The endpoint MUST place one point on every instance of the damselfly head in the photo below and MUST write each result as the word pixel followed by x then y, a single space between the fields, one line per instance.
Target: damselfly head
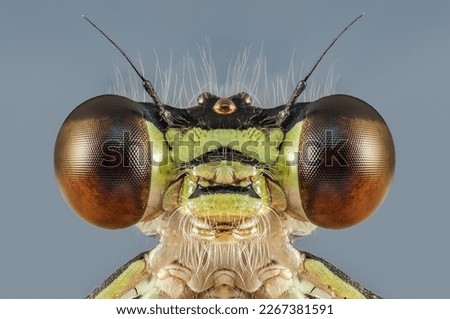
pixel 225 163
pixel 226 185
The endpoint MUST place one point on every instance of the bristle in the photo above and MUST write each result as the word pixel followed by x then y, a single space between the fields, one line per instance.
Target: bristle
pixel 245 73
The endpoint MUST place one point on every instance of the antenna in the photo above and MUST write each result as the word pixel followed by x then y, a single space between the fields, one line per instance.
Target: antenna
pixel 301 85
pixel 148 86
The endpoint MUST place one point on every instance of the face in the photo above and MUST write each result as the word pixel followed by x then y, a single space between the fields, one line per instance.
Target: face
pixel 224 165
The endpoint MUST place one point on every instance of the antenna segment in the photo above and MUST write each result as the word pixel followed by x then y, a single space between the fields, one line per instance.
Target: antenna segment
pixel 301 85
pixel 148 86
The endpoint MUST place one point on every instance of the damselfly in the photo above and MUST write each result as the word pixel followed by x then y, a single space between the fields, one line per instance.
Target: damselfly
pixel 226 185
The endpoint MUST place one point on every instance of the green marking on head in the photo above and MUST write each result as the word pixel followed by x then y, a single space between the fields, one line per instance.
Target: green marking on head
pixel 261 145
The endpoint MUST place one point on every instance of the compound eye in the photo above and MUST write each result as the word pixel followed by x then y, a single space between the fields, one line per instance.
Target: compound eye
pixel 102 161
pixel 346 161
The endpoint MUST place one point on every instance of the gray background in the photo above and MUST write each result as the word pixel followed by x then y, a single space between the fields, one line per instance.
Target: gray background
pixel 396 58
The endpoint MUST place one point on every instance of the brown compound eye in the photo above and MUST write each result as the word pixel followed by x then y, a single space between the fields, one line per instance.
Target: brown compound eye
pixel 346 161
pixel 102 161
